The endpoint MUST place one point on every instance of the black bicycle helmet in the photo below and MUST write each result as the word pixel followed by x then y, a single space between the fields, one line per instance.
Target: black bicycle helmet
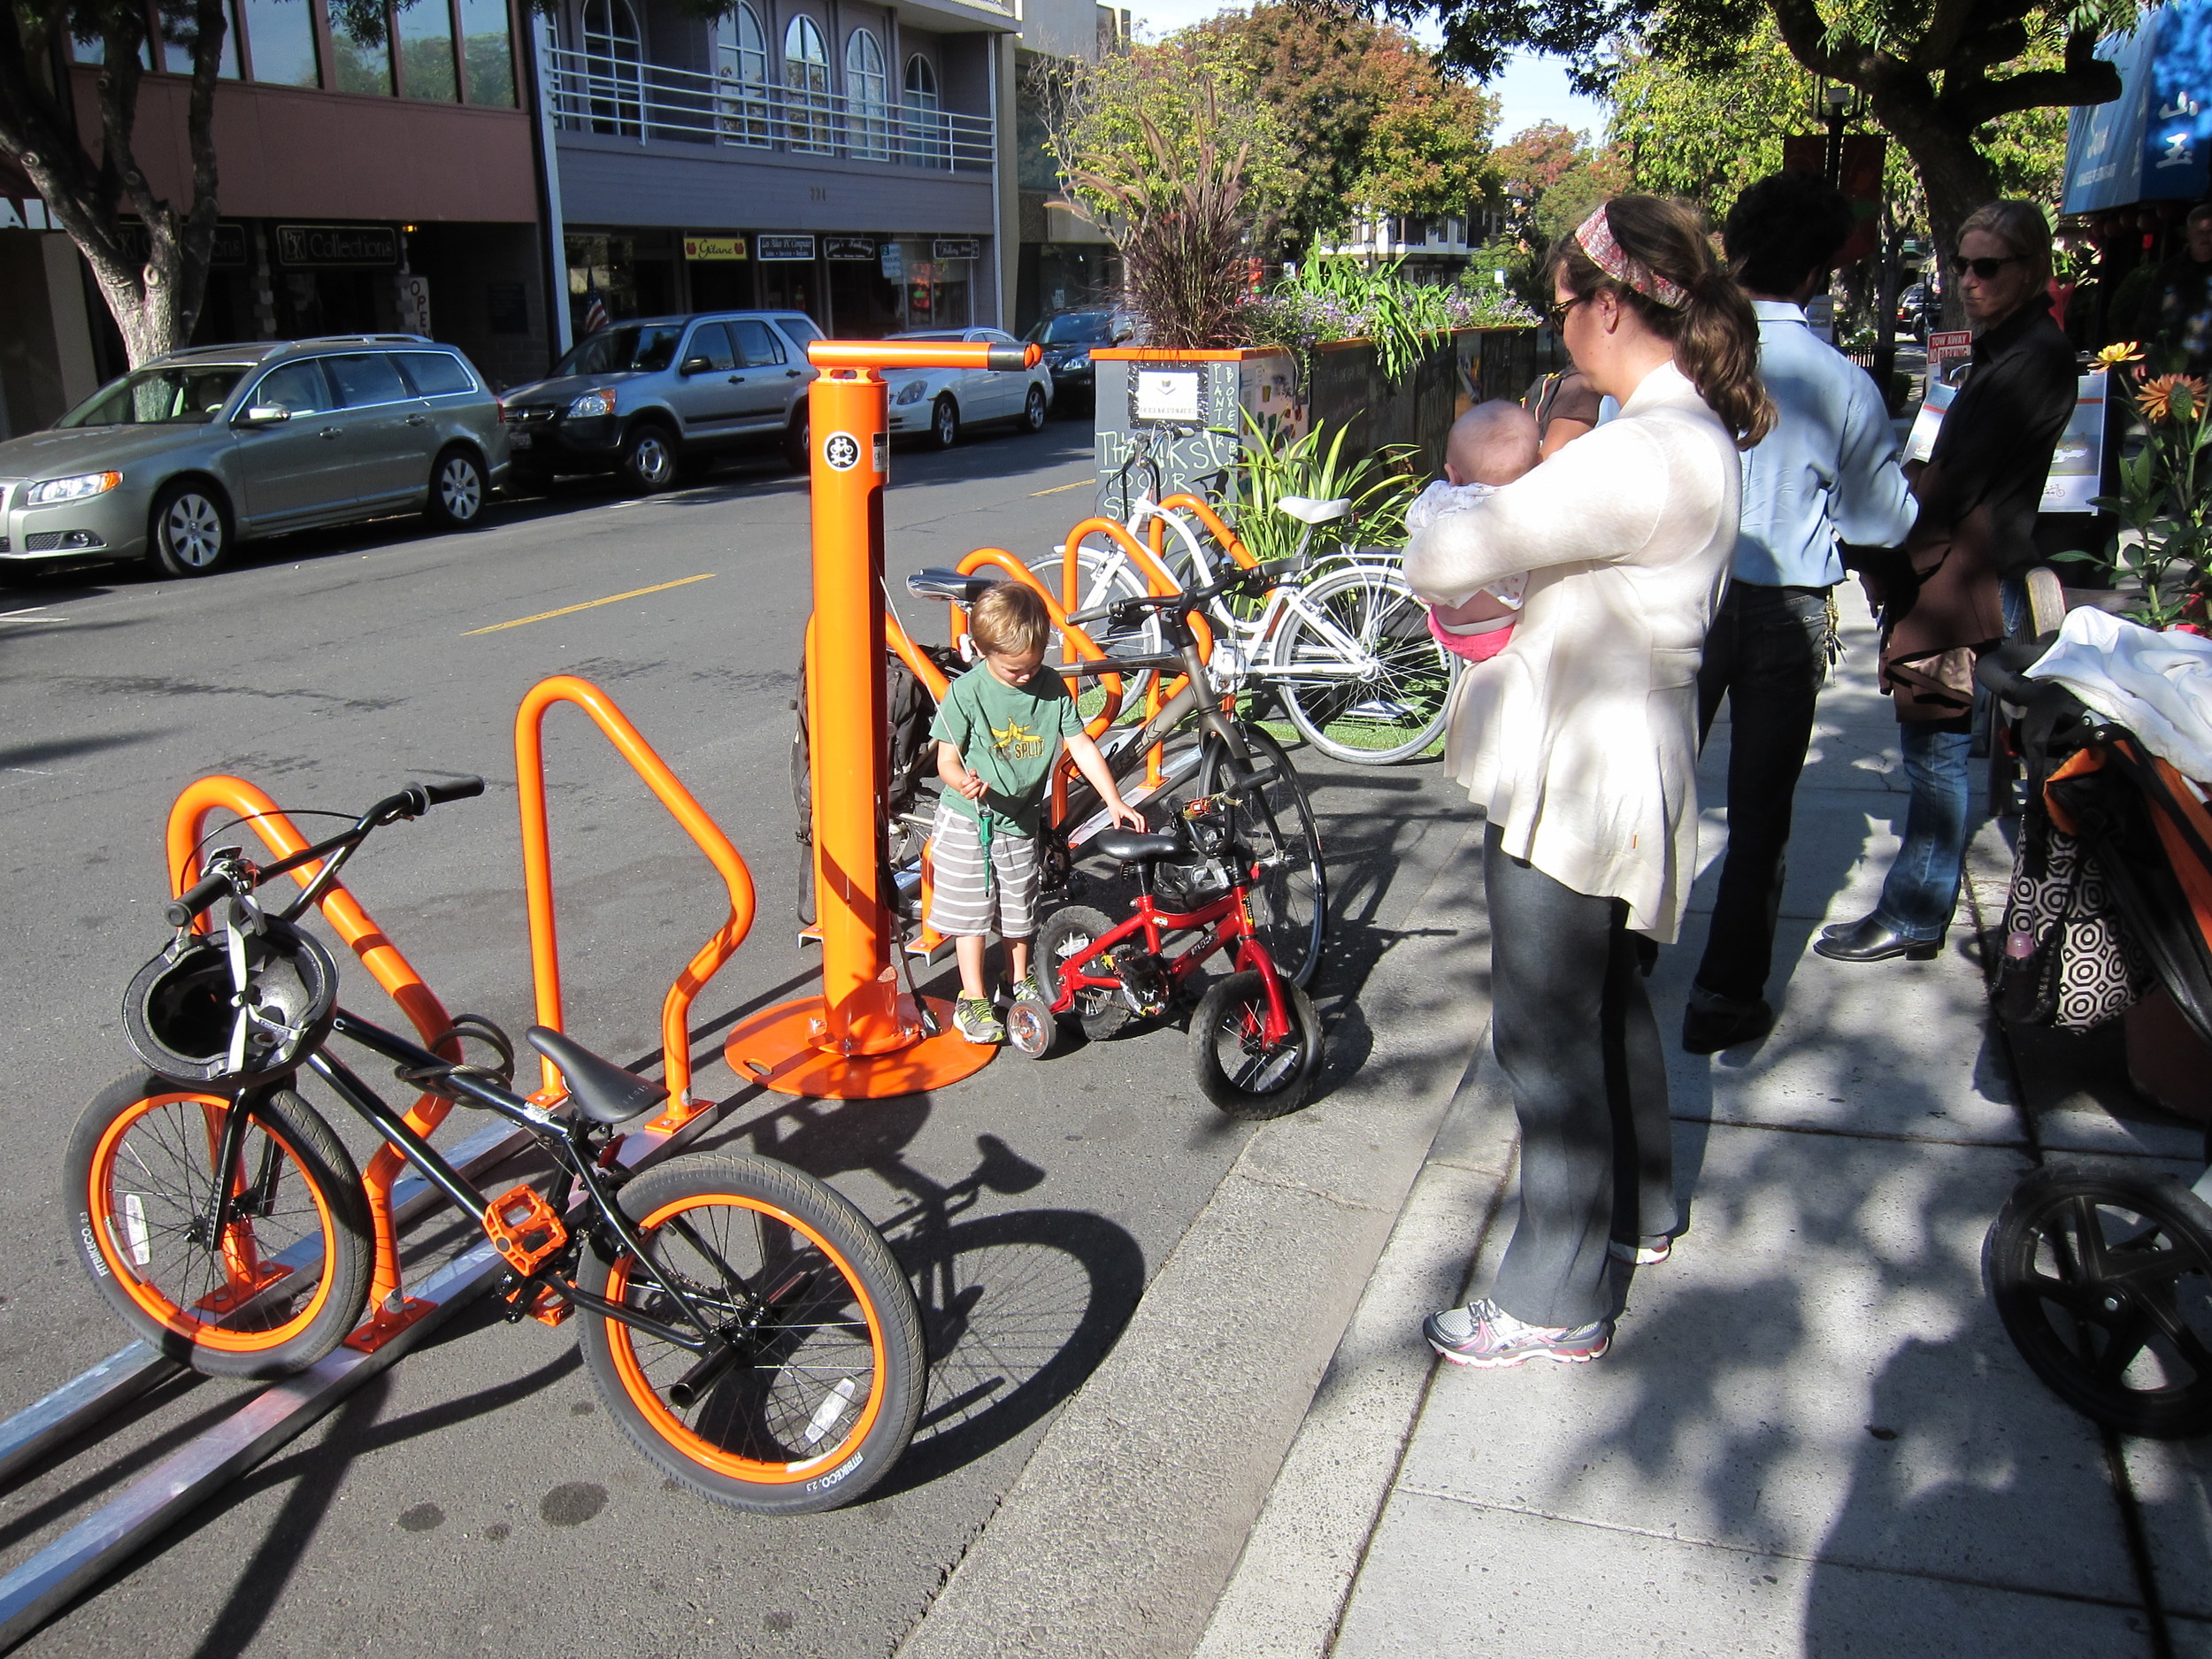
pixel 181 1013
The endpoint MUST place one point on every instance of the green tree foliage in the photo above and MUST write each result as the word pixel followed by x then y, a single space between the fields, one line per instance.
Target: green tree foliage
pixel 1554 177
pixel 1375 125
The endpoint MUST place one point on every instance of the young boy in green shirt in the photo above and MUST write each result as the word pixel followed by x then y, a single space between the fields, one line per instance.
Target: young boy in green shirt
pixel 999 732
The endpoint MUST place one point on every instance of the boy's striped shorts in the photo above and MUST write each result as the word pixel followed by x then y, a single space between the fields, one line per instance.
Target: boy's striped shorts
pixel 959 903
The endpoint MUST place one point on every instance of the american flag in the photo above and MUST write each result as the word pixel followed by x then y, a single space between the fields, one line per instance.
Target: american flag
pixel 594 313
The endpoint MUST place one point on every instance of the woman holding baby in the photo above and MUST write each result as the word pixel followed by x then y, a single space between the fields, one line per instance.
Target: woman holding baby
pixel 1578 740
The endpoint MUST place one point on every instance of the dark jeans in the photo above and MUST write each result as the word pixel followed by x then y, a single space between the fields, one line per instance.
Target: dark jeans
pixel 1574 1035
pixel 1766 654
pixel 1921 888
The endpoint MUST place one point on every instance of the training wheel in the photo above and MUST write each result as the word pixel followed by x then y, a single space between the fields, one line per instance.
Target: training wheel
pixel 781 1048
pixel 1031 1027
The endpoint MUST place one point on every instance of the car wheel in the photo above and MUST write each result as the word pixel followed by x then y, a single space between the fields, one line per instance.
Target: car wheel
pixel 1034 410
pixel 458 491
pixel 649 458
pixel 189 531
pixel 944 423
pixel 795 439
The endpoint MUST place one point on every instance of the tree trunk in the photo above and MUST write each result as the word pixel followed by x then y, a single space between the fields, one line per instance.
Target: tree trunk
pixel 1954 172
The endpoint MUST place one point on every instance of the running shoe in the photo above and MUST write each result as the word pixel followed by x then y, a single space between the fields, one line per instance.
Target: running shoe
pixel 1483 1333
pixel 1027 989
pixel 1647 1251
pixel 974 1019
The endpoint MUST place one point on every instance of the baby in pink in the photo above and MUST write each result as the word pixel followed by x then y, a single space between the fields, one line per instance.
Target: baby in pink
pixel 1492 443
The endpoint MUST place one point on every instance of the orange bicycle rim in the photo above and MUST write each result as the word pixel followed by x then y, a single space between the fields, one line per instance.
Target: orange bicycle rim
pixel 671 1428
pixel 98 1200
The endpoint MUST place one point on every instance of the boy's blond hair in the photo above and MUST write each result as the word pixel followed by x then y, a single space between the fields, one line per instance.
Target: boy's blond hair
pixel 1010 620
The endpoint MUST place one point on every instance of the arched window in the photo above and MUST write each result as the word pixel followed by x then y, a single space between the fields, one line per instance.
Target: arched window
pixel 614 73
pixel 806 73
pixel 867 97
pixel 925 144
pixel 741 66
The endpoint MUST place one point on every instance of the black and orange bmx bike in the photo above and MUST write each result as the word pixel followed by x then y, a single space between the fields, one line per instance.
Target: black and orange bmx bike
pixel 747 1327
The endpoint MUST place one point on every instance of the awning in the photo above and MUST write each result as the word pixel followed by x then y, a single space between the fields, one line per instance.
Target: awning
pixel 2151 143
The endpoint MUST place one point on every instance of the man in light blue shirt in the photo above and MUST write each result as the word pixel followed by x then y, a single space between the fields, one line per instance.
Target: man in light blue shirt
pixel 1827 474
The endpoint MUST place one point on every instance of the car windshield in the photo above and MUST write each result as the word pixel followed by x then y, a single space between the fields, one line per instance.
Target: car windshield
pixel 646 346
pixel 1077 328
pixel 187 394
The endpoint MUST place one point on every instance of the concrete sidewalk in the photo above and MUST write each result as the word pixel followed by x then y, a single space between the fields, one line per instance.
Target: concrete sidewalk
pixel 1812 1436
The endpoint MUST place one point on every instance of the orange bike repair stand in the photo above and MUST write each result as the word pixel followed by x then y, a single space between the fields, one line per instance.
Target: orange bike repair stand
pixel 860 1038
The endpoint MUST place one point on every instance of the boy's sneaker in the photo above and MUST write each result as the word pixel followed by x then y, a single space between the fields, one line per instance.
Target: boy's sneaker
pixel 973 1018
pixel 1647 1251
pixel 1483 1333
pixel 1027 989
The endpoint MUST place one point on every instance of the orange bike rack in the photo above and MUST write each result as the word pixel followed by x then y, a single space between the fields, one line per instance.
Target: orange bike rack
pixel 859 1040
pixel 537 875
pixel 1231 541
pixel 389 1311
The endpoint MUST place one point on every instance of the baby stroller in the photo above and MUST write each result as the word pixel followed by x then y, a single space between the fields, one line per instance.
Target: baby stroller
pixel 2103 1278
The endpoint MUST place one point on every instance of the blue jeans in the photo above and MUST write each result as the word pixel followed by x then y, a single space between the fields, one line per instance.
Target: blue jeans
pixel 1921 888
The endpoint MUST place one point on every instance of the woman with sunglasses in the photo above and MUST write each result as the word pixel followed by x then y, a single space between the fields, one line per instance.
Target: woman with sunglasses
pixel 1579 740
pixel 1957 585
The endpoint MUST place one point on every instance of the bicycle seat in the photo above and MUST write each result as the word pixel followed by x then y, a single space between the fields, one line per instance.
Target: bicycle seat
pixel 1131 846
pixel 1308 510
pixel 602 1091
pixel 943 584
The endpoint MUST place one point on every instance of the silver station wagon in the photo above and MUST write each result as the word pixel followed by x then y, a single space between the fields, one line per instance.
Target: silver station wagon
pixel 180 460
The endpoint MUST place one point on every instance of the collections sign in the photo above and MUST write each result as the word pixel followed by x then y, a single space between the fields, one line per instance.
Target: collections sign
pixel 785 246
pixel 228 251
pixel 714 247
pixel 849 246
pixel 955 247
pixel 336 246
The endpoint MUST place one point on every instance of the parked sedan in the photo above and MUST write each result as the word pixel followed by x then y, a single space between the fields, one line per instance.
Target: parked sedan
pixel 186 456
pixel 942 402
pixel 1067 338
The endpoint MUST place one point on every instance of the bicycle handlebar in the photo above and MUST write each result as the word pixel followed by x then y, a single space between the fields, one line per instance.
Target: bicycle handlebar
pixel 1185 599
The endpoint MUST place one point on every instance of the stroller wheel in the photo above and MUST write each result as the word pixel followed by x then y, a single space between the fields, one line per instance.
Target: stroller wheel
pixel 2104 1282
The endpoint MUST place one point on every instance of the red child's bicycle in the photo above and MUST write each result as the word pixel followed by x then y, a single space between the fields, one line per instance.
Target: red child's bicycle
pixel 1255 1040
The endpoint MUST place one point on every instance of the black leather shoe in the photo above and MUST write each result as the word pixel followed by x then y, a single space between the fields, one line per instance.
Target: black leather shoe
pixel 1710 1030
pixel 1871 941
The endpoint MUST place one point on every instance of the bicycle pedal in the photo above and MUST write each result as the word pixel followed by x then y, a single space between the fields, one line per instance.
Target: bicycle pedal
pixel 524 1229
pixel 550 1307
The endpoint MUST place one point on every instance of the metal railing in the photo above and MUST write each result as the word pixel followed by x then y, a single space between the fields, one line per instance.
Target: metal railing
pixel 591 93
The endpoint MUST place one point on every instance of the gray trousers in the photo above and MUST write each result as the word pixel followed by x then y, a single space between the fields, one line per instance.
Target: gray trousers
pixel 1572 1028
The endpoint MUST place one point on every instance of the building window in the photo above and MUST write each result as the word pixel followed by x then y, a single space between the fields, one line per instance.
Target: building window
pixel 925 145
pixel 615 74
pixel 806 72
pixel 487 52
pixel 281 36
pixel 360 47
pixel 742 67
pixel 425 51
pixel 867 97
pixel 181 33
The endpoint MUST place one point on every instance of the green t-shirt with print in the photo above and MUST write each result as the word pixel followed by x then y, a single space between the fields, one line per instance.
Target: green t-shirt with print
pixel 1010 736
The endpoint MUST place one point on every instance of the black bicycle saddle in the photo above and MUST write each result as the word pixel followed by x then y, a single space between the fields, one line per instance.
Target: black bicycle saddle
pixel 602 1091
pixel 1133 847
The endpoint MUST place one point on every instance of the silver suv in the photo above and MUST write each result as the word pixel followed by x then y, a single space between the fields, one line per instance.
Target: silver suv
pixel 186 456
pixel 644 398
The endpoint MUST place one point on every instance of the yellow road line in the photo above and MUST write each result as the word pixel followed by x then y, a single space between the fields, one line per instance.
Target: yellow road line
pixel 566 611
pixel 1057 489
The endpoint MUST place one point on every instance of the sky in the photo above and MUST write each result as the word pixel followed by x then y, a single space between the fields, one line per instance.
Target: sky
pixel 1534 87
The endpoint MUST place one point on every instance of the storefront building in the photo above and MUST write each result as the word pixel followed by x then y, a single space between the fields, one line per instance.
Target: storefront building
pixel 377 173
pixel 838 158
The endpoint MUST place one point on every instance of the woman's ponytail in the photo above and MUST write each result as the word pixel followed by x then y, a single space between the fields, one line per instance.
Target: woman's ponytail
pixel 1667 272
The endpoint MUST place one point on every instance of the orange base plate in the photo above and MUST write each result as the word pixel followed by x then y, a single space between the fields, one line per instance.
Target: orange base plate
pixel 778 1049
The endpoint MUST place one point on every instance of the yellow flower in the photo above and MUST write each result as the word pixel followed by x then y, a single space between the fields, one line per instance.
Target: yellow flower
pixel 2171 397
pixel 2120 351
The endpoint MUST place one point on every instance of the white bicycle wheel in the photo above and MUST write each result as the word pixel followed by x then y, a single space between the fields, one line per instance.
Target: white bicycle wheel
pixel 1360 677
pixel 1104 575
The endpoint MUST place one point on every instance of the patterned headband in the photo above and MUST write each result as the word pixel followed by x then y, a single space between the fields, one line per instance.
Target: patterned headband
pixel 1596 238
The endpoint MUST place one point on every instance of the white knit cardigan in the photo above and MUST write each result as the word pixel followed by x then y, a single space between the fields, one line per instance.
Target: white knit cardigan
pixel 1580 739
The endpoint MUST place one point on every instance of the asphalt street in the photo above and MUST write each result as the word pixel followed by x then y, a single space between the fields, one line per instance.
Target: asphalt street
pixel 477 1498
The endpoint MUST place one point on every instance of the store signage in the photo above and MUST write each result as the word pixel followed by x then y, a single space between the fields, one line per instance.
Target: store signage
pixel 699 248
pixel 893 261
pixel 25 214
pixel 849 246
pixel 955 247
pixel 336 246
pixel 1166 395
pixel 227 252
pixel 784 247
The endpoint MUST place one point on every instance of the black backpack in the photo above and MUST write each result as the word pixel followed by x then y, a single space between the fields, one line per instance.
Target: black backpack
pixel 910 768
